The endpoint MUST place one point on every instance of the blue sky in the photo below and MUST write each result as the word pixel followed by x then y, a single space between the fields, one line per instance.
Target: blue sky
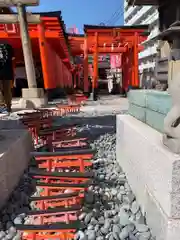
pixel 79 12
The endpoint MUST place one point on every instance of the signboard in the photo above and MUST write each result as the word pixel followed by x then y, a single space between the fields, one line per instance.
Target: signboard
pixel 101 58
pixel 115 61
pixel 13 18
pixel 11 3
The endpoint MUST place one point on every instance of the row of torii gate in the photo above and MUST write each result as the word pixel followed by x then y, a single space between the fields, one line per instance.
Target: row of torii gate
pixel 123 40
pixel 56 49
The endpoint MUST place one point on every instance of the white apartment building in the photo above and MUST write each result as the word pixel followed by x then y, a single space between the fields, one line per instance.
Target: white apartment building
pixel 136 15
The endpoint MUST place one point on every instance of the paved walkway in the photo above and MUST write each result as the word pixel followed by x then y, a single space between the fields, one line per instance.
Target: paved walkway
pixel 109 104
pixel 106 104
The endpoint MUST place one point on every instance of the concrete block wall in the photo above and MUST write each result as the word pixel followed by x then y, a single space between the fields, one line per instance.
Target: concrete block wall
pixel 150 106
pixel 155 119
pixel 137 111
pixel 138 97
pixel 158 101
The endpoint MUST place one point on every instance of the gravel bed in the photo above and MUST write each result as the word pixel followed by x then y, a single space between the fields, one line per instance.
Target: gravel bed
pixel 110 209
pixel 14 211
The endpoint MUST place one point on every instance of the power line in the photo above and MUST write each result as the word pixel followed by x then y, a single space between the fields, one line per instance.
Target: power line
pixel 119 12
pixel 118 17
pixel 115 16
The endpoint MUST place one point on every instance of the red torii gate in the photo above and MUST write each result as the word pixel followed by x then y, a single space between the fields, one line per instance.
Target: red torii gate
pixel 115 40
pixel 49 45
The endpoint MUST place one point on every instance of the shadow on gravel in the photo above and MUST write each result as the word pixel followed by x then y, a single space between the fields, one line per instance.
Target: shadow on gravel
pixel 90 127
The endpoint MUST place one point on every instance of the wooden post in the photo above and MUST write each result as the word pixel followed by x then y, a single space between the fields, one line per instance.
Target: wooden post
pixel 126 71
pixel 74 78
pixel 130 60
pixel 95 65
pixel 78 77
pixel 43 53
pixel 123 72
pixel 86 82
pixel 26 45
pixel 135 82
pixel 61 75
pixel 131 67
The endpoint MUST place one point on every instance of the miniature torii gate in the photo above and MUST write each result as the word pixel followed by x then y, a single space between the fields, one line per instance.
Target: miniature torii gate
pixel 23 19
pixel 114 40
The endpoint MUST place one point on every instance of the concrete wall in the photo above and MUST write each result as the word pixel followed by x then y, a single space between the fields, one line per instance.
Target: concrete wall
pixel 153 173
pixel 164 49
pixel 15 147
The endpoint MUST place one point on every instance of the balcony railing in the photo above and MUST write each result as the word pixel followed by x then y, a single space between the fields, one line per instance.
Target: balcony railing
pixel 139 15
pixel 147 65
pixel 129 12
pixel 151 18
pixel 149 51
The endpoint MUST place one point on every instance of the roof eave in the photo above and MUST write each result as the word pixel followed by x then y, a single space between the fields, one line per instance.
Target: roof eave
pixel 61 22
pixel 143 2
pixel 91 27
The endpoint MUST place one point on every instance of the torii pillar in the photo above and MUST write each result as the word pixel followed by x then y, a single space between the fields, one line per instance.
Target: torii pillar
pixel 86 81
pixel 32 94
pixel 95 66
